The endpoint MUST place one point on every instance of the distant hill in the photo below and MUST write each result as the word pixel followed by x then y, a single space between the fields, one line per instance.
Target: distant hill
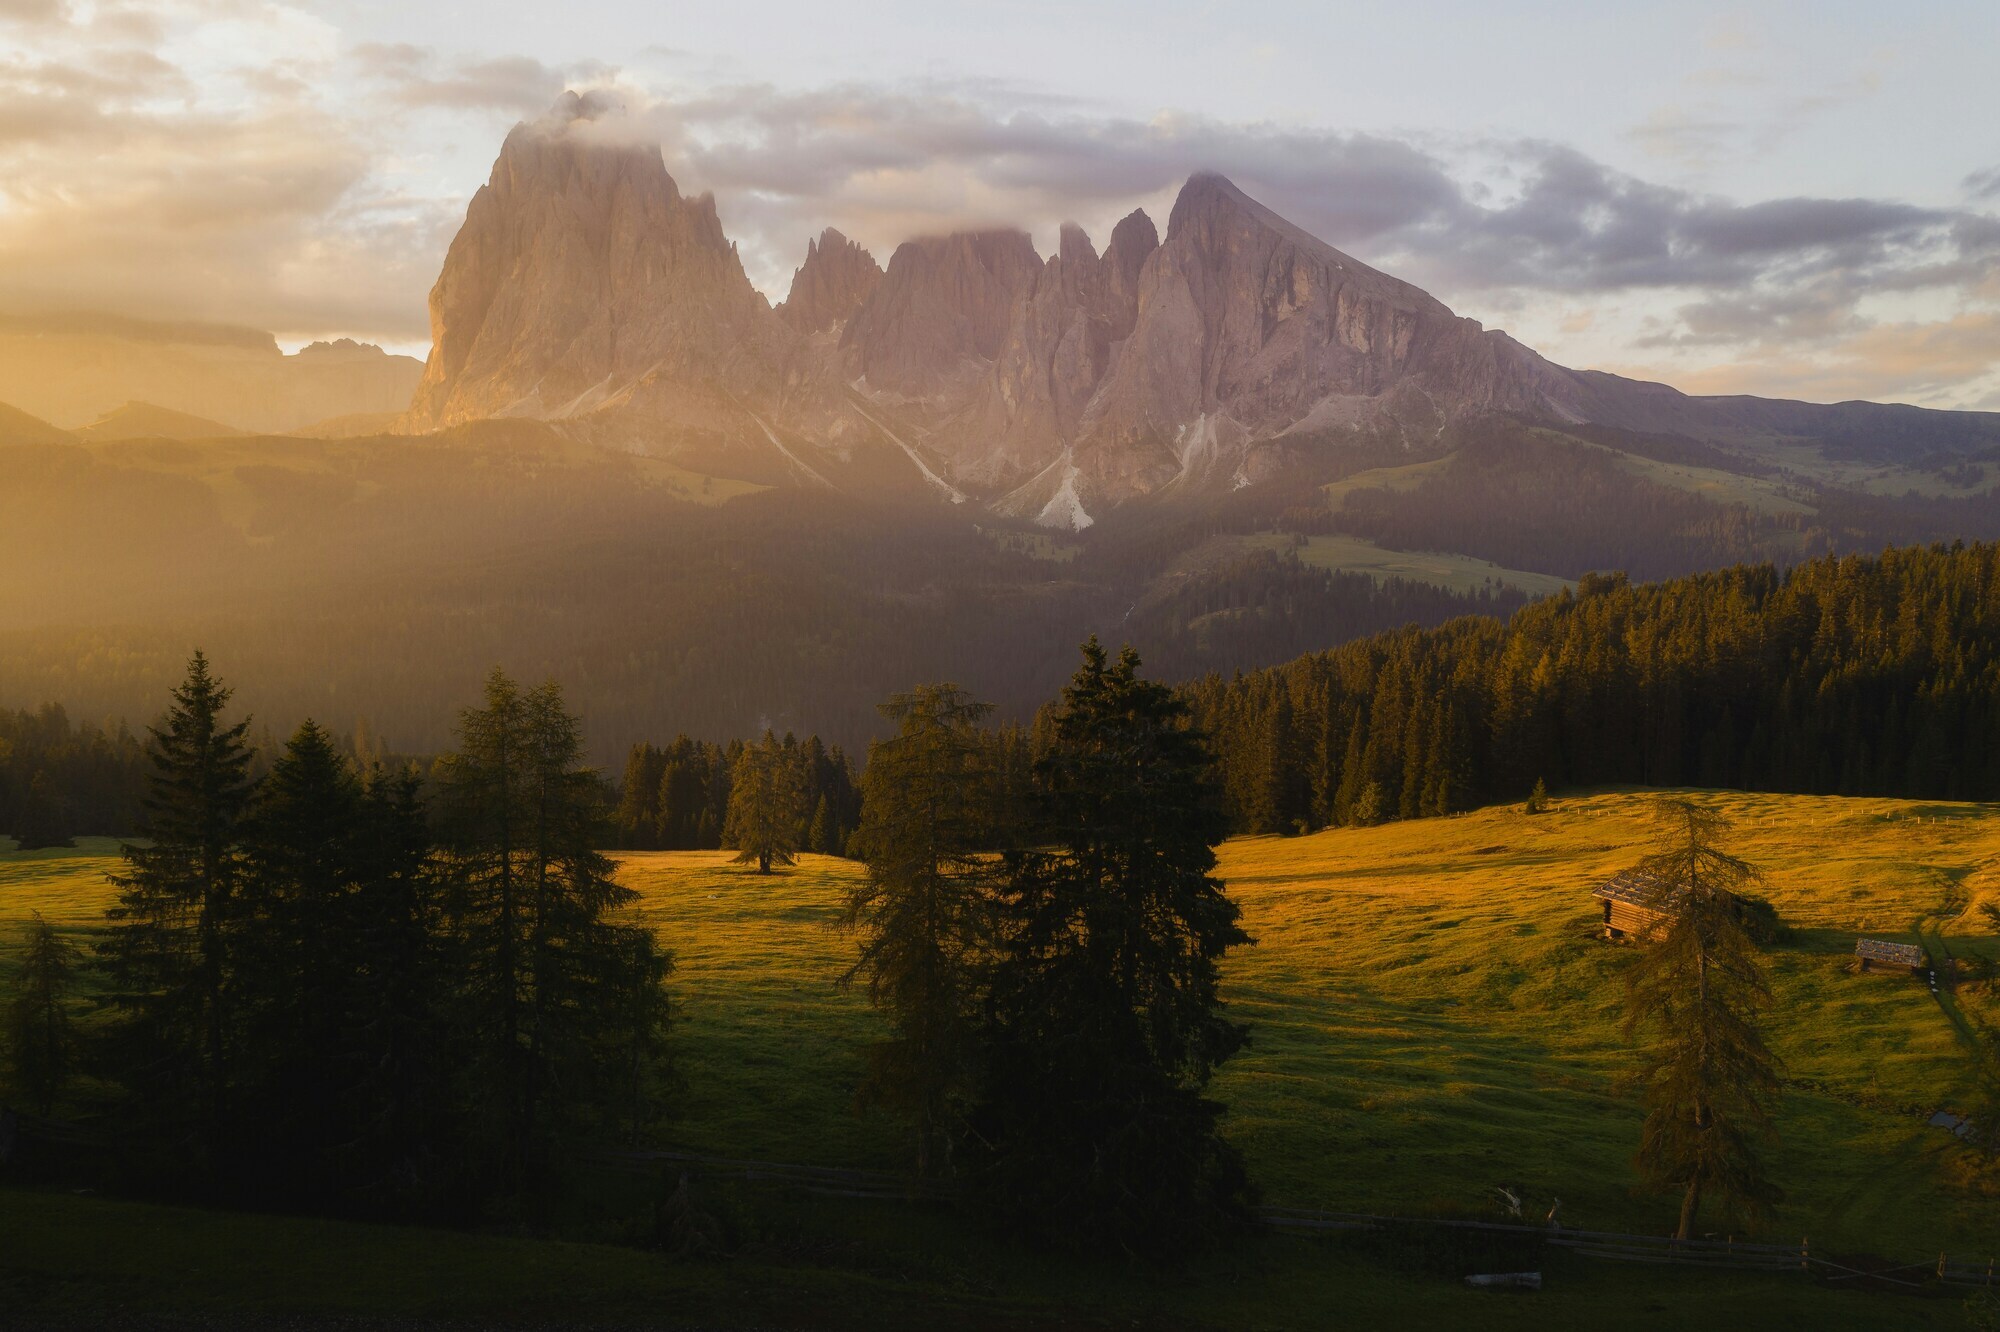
pixel 353 425
pixel 143 420
pixel 17 427
pixel 75 368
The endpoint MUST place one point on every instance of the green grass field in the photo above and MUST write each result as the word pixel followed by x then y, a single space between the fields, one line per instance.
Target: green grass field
pixel 1352 554
pixel 1433 1018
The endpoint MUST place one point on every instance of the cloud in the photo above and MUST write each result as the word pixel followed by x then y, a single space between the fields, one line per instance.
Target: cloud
pixel 308 187
pixel 33 11
pixel 130 185
pixel 1917 361
pixel 517 85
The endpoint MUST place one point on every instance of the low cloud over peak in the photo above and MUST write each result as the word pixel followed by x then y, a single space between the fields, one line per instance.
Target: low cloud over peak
pixel 321 202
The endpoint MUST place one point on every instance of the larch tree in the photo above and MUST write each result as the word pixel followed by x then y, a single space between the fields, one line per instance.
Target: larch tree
pixel 171 943
pixel 41 1039
pixel 1697 987
pixel 925 911
pixel 765 821
pixel 1105 1021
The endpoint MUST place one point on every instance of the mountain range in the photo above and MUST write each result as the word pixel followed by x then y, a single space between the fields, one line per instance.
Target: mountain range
pixel 623 467
pixel 74 368
pixel 585 289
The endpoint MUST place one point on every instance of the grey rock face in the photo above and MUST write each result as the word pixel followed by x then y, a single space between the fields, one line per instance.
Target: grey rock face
pixel 583 287
pixel 940 314
pixel 836 279
pixel 583 280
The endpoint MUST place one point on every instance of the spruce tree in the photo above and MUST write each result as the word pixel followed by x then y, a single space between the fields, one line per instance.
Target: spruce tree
pixel 559 992
pixel 1538 799
pixel 925 910
pixel 766 817
pixel 41 1039
pixel 43 819
pixel 638 814
pixel 401 1004
pixel 171 945
pixel 822 837
pixel 1105 1018
pixel 1697 986
pixel 298 968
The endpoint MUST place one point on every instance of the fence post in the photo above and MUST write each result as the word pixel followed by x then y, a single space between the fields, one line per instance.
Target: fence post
pixel 1805 1253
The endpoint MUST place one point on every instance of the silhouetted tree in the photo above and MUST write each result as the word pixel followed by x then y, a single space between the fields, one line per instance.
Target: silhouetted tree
pixel 41 1040
pixel 172 931
pixel 556 991
pixel 1105 1020
pixel 297 970
pixel 925 909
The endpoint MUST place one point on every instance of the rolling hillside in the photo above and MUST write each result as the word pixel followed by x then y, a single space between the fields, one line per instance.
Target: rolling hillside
pixel 1434 1017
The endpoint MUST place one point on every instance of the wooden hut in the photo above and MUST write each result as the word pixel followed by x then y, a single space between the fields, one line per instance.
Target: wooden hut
pixel 1631 903
pixel 1907 958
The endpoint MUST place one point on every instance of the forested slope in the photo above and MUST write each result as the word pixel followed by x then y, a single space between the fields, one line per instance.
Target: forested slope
pixel 1873 676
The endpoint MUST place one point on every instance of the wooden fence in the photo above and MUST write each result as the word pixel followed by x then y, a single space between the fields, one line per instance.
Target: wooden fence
pixel 1732 1254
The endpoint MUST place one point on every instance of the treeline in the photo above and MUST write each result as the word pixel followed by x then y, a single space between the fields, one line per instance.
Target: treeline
pixel 359 991
pixel 1852 676
pixel 60 779
pixel 388 993
pixel 677 797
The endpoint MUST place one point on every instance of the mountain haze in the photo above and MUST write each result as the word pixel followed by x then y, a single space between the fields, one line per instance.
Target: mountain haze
pixel 1236 352
pixel 72 369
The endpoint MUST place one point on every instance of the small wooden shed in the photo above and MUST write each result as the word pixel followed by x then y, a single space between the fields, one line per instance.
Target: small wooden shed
pixel 1630 900
pixel 1888 956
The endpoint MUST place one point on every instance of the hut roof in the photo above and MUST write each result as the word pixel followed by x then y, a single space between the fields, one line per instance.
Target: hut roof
pixel 1880 950
pixel 1634 887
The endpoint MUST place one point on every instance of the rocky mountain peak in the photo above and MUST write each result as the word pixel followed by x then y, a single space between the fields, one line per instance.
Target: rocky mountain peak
pixel 1131 241
pixel 836 279
pixel 941 311
pixel 1073 245
pixel 579 271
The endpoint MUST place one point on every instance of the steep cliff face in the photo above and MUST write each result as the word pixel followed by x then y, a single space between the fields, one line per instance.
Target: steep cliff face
pixel 836 279
pixel 584 288
pixel 582 281
pixel 1248 328
pixel 940 314
pixel 1058 346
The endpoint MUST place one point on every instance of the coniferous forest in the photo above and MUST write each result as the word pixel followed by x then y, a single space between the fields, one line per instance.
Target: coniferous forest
pixel 383 992
pixel 415 989
pixel 1851 676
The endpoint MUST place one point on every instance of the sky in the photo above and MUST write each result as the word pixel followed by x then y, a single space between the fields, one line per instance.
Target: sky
pixel 1790 199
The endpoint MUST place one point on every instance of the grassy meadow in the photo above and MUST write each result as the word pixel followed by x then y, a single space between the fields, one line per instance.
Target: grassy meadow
pixel 1434 1018
pixel 1352 554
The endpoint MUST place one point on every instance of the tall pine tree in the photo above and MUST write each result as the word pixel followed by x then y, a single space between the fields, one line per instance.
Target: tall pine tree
pixel 1105 1018
pixel 41 1038
pixel 925 910
pixel 559 992
pixel 171 944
